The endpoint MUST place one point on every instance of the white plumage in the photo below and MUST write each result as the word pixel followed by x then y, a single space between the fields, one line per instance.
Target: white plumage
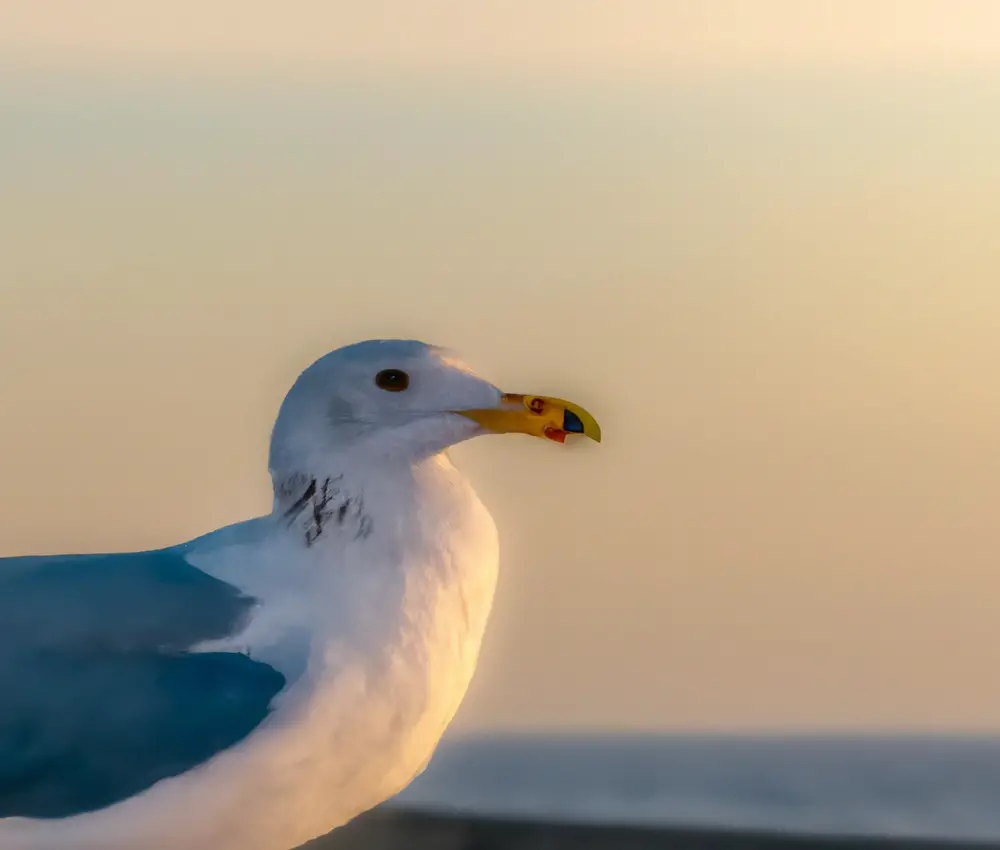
pixel 372 581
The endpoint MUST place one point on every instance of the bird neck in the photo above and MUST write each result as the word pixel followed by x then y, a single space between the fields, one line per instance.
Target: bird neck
pixel 338 501
pixel 322 505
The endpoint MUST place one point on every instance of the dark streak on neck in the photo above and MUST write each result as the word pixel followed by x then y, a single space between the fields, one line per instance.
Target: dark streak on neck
pixel 301 502
pixel 329 500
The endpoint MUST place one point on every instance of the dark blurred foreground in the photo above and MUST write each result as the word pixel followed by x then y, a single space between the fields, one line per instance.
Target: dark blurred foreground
pixel 393 829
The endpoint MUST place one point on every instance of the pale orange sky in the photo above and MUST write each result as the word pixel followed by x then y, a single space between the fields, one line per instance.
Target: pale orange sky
pixel 779 295
pixel 552 37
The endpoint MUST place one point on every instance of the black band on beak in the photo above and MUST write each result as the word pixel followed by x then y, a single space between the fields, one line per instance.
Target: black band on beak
pixel 572 423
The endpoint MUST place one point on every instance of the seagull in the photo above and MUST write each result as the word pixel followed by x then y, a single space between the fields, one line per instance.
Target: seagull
pixel 261 685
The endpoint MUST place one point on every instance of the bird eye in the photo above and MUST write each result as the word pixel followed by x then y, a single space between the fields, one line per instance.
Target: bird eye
pixel 393 380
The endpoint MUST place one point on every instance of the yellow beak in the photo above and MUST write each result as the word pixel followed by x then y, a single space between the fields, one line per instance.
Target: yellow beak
pixel 537 415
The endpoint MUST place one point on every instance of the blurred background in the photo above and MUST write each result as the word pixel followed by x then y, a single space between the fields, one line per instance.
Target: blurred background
pixel 757 239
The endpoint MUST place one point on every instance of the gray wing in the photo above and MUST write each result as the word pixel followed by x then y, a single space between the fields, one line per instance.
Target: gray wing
pixel 99 696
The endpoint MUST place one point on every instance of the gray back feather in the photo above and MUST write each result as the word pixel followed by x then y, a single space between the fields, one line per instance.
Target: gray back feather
pixel 100 696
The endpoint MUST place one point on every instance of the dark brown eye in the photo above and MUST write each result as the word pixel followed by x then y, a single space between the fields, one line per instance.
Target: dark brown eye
pixel 393 380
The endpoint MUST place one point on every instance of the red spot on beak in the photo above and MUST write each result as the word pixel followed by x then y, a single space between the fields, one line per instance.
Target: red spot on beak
pixel 556 434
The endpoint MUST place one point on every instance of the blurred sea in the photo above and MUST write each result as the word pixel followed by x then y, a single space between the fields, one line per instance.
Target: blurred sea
pixel 938 788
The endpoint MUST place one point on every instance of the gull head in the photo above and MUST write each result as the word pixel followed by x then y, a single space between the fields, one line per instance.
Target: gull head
pixel 404 400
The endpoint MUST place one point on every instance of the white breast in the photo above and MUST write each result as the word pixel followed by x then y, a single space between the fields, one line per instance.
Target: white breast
pixel 390 629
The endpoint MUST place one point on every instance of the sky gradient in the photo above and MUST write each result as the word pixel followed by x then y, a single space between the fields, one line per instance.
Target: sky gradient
pixel 777 291
pixel 555 38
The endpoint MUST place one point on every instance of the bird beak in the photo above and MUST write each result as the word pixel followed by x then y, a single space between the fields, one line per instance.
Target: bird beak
pixel 537 415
